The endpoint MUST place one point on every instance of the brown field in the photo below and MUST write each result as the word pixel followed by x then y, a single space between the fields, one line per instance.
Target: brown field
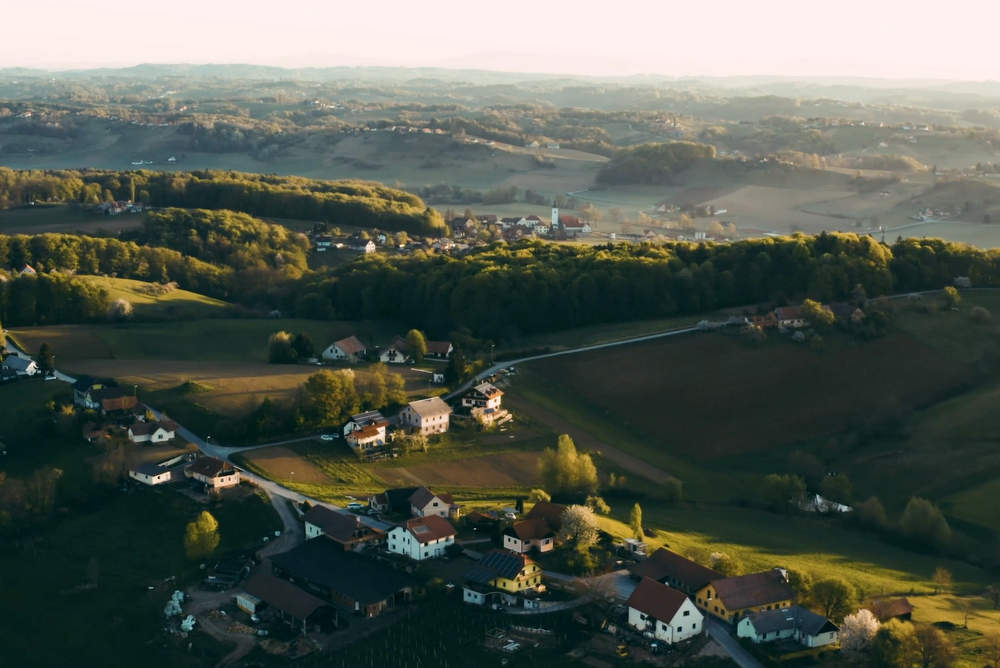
pixel 509 469
pixel 282 463
pixel 775 394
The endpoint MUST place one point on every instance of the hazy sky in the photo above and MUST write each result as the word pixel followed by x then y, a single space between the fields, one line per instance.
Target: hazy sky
pixel 877 38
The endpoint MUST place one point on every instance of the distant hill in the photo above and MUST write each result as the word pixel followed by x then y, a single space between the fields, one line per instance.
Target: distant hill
pixel 653 164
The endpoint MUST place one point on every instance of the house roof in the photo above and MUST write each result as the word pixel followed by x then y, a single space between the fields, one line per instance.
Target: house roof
pixel 488 390
pixel 143 428
pixel 788 312
pixel 422 496
pixel 531 529
pixel 569 221
pixel 368 417
pixel 430 528
pixel 17 363
pixel 748 591
pixel 341 527
pixel 656 599
pixel 664 564
pixel 397 498
pixel 498 563
pixel 399 343
pixel 887 608
pixel 326 563
pixel 439 347
pixel 431 407
pixel 351 345
pixel 283 595
pixel 150 469
pixel 368 431
pixel 209 467
pixel 806 621
pixel 551 512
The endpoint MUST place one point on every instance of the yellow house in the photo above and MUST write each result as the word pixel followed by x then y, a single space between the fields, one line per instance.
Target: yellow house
pixel 730 599
pixel 507 571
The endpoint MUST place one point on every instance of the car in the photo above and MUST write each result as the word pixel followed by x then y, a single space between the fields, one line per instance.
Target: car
pixel 371 511
pixel 328 437
pixel 354 506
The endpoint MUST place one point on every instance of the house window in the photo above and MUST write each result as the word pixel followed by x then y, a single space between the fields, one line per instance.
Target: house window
pixel 687 613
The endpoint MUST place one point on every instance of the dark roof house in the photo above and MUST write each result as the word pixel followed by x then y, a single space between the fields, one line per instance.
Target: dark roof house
pixel 550 512
pixel 656 600
pixel 677 571
pixel 747 591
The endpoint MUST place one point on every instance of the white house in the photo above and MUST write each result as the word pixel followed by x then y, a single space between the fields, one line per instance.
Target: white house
pixel 441 350
pixel 150 474
pixel 790 317
pixel 425 503
pixel 794 622
pixel 422 537
pixel 350 349
pixel 396 352
pixel 214 473
pixel 428 416
pixel 152 432
pixel 529 534
pixel 365 431
pixel 365 247
pixel 21 366
pixel 663 613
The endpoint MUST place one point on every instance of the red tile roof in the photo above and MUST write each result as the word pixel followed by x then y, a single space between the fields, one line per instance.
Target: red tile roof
pixel 351 345
pixel 656 600
pixel 438 347
pixel 430 528
pixel 749 591
pixel 210 467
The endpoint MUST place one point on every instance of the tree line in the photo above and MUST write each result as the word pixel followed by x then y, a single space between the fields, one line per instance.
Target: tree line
pixel 354 203
pixel 653 164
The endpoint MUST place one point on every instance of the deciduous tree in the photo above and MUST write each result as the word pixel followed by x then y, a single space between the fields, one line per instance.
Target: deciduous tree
pixel 565 471
pixel 922 521
pixel 201 536
pixel 857 630
pixel 834 596
pixel 417 343
pixel 635 522
pixel 579 526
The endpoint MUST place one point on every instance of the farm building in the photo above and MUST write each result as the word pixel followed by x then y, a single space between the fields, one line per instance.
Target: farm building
pixel 439 349
pixel 730 599
pixel 397 352
pixel 507 572
pixel 350 349
pixel 797 623
pixel 152 432
pixel 529 534
pixel 672 569
pixel 393 500
pixel 550 512
pixel 352 582
pixel 422 537
pixel 344 529
pixel 300 609
pixel 663 613
pixel 890 608
pixel 427 416
pixel 214 473
pixel 424 503
pixel 790 317
pixel 151 474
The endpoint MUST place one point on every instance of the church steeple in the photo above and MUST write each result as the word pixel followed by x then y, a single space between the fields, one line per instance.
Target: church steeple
pixel 555 217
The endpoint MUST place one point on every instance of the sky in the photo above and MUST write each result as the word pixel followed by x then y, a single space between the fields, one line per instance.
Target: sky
pixel 870 38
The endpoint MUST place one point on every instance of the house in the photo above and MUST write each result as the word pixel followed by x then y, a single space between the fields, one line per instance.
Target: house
pixel 730 599
pixel 573 226
pixel 422 537
pixel 343 528
pixel 677 571
pixel 393 500
pixel 152 432
pixel 797 623
pixel 363 246
pixel 21 366
pixel 890 608
pixel 397 352
pixel 424 502
pixel 27 270
pixel 300 609
pixel 350 349
pixel 427 416
pixel 366 432
pixel 482 402
pixel 502 570
pixel 151 474
pixel 103 395
pixel 663 613
pixel 352 582
pixel 550 512
pixel 439 349
pixel 790 317
pixel 214 473
pixel 529 534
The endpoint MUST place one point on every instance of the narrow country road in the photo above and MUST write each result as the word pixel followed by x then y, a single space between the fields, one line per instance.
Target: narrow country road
pixel 722 634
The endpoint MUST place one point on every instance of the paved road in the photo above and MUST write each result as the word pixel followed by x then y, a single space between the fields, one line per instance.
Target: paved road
pixel 722 634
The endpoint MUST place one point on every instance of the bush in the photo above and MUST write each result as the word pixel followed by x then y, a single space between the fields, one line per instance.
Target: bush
pixel 980 314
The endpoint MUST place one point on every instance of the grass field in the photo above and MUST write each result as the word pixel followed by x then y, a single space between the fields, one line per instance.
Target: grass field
pixel 149 303
pixel 63 218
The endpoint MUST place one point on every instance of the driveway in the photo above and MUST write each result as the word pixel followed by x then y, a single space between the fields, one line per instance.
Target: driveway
pixel 722 634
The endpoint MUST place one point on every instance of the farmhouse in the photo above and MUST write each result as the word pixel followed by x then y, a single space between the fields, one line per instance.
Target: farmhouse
pixel 663 613
pixel 890 608
pixel 677 571
pixel 790 317
pixel 502 570
pixel 529 534
pixel 439 349
pixel 300 609
pixel 422 537
pixel 427 416
pixel 214 473
pixel 352 582
pixel 797 623
pixel 397 352
pixel 730 599
pixel 20 365
pixel 483 403
pixel 350 349
pixel 366 432
pixel 103 395
pixel 393 500
pixel 363 246
pixel 424 503
pixel 152 432
pixel 550 512
pixel 345 529
pixel 151 474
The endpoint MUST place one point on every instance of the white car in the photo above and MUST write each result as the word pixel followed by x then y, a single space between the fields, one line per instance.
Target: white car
pixel 328 437
pixel 354 506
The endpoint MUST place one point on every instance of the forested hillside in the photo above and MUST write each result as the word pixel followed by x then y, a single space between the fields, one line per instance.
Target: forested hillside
pixel 653 164
pixel 354 203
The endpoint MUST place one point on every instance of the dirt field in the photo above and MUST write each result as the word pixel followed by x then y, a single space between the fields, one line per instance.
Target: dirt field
pixel 510 469
pixel 775 394
pixel 281 463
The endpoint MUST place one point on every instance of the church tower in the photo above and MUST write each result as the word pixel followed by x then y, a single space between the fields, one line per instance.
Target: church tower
pixel 555 217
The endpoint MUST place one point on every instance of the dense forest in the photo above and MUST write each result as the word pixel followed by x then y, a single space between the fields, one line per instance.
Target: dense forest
pixel 343 203
pixel 653 164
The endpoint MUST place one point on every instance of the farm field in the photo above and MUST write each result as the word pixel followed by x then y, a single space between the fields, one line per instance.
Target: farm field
pixel 63 218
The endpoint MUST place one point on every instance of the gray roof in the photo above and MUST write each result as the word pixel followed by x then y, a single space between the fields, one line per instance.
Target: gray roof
pixel 808 622
pixel 17 363
pixel 497 563
pixel 430 407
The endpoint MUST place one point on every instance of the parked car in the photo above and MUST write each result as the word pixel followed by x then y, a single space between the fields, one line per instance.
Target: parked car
pixel 329 437
pixel 354 506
